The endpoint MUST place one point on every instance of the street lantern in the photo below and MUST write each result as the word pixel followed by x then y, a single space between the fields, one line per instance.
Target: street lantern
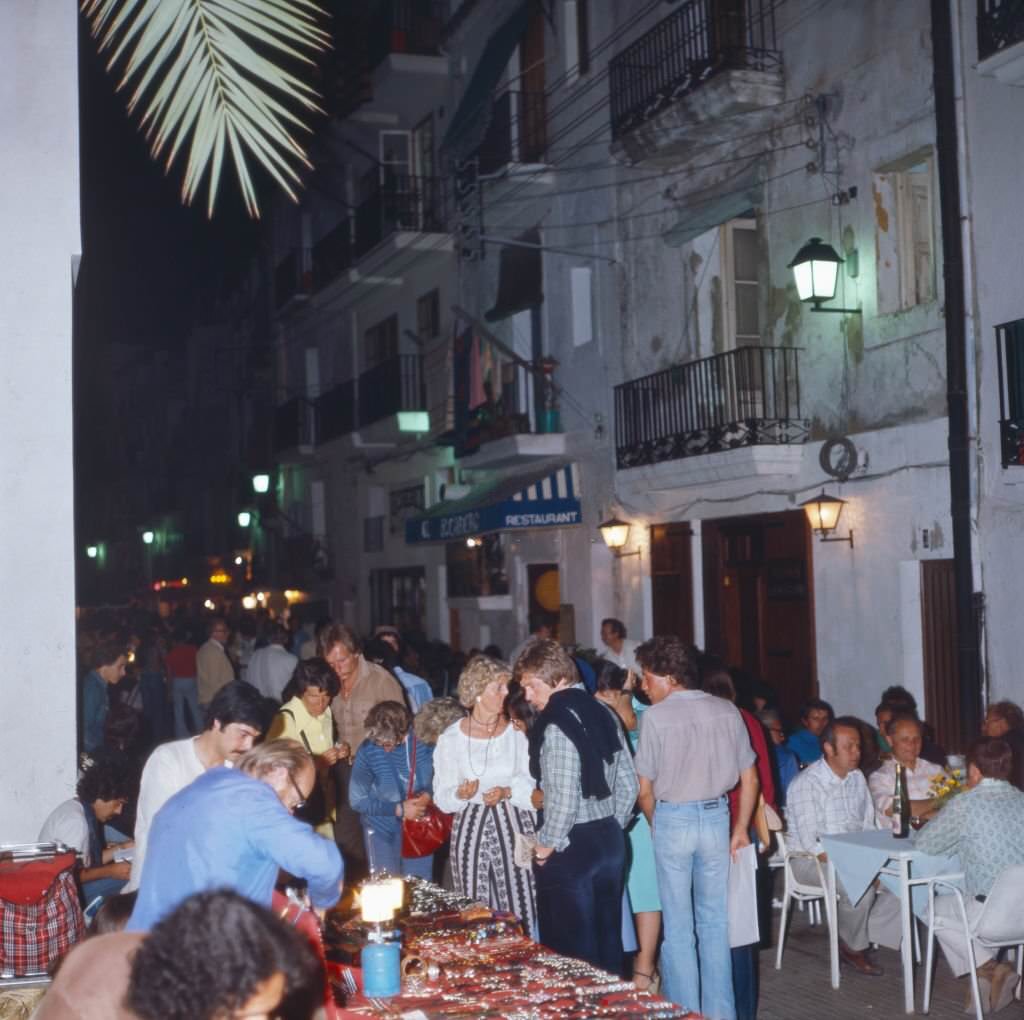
pixel 92 551
pixel 261 483
pixel 823 513
pixel 148 537
pixel 244 518
pixel 615 533
pixel 815 272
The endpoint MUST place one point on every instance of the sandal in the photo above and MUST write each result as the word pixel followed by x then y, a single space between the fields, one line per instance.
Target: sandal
pixel 649 985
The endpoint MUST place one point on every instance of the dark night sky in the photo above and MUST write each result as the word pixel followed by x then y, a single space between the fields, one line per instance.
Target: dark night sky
pixel 147 260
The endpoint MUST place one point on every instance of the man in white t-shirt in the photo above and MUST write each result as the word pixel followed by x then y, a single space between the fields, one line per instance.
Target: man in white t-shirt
pixel 235 719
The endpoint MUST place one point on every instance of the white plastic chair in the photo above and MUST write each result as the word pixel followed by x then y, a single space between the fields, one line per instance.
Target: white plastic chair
pixel 812 895
pixel 999 925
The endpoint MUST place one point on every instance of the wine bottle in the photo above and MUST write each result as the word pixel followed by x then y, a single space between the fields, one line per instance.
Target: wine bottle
pixel 900 805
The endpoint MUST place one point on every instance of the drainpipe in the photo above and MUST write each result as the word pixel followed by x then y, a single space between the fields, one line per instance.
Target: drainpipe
pixel 968 646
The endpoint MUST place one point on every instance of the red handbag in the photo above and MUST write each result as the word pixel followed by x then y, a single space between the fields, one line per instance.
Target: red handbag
pixel 422 836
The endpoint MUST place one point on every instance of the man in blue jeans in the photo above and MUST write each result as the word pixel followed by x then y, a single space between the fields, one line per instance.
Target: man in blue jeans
pixel 694 748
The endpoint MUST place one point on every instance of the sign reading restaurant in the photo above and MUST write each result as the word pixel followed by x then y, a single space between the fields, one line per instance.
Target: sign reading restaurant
pixel 508 515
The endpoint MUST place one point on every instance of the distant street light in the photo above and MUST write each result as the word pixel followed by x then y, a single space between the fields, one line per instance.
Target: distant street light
pixel 261 483
pixel 92 551
pixel 147 537
pixel 244 519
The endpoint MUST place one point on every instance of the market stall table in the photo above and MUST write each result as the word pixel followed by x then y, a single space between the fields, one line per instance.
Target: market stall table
pixel 462 960
pixel 858 858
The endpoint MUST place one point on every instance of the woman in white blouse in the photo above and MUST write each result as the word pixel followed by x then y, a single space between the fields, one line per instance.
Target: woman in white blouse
pixel 482 775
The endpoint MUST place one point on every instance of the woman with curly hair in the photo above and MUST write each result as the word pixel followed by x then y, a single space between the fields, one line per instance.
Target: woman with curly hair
pixel 482 775
pixel 216 957
pixel 380 788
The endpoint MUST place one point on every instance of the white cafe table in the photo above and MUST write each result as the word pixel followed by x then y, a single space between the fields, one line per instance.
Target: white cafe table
pixel 858 858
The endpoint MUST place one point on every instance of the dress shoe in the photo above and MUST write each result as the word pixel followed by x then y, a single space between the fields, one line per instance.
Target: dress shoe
pixel 859 960
pixel 1004 984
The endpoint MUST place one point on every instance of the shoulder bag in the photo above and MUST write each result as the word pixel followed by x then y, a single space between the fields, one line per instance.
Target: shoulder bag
pixel 422 836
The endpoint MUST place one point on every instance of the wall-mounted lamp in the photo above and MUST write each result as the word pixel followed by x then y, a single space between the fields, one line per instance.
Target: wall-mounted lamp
pixel 92 551
pixel 823 513
pixel 815 270
pixel 147 537
pixel 616 534
pixel 244 518
pixel 261 483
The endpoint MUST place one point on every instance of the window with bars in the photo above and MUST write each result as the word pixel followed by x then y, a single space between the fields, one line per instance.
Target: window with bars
pixel 1010 361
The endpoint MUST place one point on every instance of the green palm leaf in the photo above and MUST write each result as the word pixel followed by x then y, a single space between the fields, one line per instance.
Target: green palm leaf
pixel 205 73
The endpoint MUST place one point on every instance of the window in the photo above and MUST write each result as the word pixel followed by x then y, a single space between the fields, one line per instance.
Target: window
pixel 582 305
pixel 577 39
pixel 741 292
pixel 1010 350
pixel 478 570
pixel 905 236
pixel 428 315
pixel 381 342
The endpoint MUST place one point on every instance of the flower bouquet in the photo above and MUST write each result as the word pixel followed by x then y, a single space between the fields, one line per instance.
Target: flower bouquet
pixel 945 785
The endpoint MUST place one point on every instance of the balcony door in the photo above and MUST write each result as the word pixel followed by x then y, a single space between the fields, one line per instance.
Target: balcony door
pixel 395 172
pixel 758 601
pixel 741 315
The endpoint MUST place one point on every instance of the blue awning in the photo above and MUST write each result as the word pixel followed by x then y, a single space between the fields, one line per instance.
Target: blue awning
pixel 549 500
pixel 469 122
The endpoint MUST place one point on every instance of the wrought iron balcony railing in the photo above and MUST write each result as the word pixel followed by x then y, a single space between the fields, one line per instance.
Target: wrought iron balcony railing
pixel 404 202
pixel 291 278
pixel 336 411
pixel 392 386
pixel 1000 24
pixel 516 133
pixel 295 424
pixel 696 41
pixel 405 26
pixel 746 397
pixel 332 254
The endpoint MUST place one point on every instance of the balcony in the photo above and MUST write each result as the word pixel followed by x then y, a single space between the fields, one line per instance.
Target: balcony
pixel 405 204
pixel 392 386
pixel 332 255
pixel 336 411
pixel 516 133
pixel 747 397
pixel 405 26
pixel 1001 40
pixel 707 61
pixel 292 279
pixel 295 425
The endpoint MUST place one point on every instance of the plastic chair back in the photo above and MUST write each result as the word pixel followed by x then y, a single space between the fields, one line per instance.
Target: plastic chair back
pixel 1002 920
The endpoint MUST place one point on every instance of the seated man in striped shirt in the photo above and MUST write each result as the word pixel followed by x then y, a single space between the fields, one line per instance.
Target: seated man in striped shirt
pixel 831 796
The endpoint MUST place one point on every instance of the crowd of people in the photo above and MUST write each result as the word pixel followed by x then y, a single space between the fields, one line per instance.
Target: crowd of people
pixel 598 797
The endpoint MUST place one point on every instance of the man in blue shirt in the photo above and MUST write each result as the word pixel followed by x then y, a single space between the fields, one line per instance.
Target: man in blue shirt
pixel 109 664
pixel 805 743
pixel 234 828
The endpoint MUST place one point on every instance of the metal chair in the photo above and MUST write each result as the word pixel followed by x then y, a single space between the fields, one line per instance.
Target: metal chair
pixel 812 895
pixel 1000 924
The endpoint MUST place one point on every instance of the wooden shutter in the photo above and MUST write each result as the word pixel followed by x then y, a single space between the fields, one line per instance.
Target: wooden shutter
pixel 939 638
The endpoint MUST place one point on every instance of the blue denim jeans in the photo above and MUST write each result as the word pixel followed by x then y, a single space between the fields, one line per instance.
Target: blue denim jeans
pixel 691 853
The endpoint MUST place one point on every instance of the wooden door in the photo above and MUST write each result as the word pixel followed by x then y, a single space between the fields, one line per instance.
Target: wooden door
pixel 939 639
pixel 672 580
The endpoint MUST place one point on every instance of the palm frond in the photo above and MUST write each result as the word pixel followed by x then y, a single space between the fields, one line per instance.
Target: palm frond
pixel 208 76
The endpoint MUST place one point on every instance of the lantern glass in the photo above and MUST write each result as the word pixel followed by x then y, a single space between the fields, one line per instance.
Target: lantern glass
pixel 92 551
pixel 261 483
pixel 823 512
pixel 816 271
pixel 244 519
pixel 615 533
pixel 147 537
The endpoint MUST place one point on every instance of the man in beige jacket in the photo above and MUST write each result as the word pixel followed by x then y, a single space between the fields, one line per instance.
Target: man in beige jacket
pixel 213 667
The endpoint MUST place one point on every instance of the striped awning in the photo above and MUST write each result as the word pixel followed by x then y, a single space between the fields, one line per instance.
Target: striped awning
pixel 547 500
